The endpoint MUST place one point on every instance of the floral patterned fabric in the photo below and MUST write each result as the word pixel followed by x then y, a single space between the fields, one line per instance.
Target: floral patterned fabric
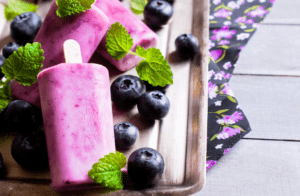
pixel 232 23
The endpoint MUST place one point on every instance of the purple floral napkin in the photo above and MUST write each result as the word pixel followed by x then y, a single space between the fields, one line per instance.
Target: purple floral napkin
pixel 232 23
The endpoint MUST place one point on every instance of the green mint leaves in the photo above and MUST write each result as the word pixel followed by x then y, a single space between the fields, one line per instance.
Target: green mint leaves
pixel 153 68
pixel 24 64
pixel 138 6
pixel 107 171
pixel 17 7
pixel 118 41
pixel 70 7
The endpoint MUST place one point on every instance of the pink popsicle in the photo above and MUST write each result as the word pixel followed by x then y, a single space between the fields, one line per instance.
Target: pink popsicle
pixel 78 121
pixel 87 28
pixel 141 34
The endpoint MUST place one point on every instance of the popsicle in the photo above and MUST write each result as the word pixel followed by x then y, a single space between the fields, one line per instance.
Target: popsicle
pixel 87 28
pixel 141 34
pixel 78 121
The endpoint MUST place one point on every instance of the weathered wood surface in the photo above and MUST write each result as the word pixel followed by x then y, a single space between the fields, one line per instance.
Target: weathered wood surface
pixel 255 167
pixel 271 55
pixel 271 104
pixel 180 137
pixel 268 164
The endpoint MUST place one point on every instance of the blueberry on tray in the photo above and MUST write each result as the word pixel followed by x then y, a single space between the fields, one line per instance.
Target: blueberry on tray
pixel 157 13
pixel 145 167
pixel 186 45
pixel 153 105
pixel 9 48
pixel 125 135
pixel 24 27
pixel 126 90
pixel 21 116
pixel 30 150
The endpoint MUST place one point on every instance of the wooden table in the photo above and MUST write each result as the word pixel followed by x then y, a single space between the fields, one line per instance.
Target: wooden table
pixel 266 83
pixel 180 137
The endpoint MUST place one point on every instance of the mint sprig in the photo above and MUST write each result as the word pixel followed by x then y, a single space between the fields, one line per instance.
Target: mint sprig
pixel 16 7
pixel 108 172
pixel 153 67
pixel 118 41
pixel 137 6
pixel 24 66
pixel 70 7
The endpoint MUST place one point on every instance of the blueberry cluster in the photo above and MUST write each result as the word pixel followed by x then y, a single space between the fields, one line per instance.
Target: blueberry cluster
pixel 158 13
pixel 23 30
pixel 145 165
pixel 29 146
pixel 128 90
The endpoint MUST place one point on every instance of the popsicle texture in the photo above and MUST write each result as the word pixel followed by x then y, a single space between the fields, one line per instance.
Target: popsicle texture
pixel 78 121
pixel 141 34
pixel 87 28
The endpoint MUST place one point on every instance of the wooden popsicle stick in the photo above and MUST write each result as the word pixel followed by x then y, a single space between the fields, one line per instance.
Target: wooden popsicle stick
pixel 72 51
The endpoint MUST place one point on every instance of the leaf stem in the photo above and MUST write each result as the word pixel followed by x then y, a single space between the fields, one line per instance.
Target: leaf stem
pixel 133 53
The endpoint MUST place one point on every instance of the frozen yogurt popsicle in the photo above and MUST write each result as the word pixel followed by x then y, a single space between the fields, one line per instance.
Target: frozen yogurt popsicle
pixel 141 34
pixel 87 28
pixel 78 121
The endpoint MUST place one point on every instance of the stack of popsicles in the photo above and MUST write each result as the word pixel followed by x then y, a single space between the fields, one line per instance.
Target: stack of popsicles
pixel 75 97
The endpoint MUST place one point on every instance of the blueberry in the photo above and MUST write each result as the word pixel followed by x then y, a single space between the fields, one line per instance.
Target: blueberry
pixel 186 45
pixel 30 150
pixel 149 87
pixel 21 116
pixel 9 48
pixel 125 135
pixel 153 105
pixel 126 90
pixel 24 27
pixel 2 59
pixel 157 13
pixel 145 167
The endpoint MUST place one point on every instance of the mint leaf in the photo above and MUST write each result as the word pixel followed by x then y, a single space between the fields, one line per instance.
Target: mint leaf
pixel 5 95
pixel 107 171
pixel 24 64
pixel 118 41
pixel 154 68
pixel 17 7
pixel 70 7
pixel 138 6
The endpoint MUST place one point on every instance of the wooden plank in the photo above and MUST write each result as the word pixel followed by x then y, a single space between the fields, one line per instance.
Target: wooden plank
pixel 270 104
pixel 195 168
pixel 284 12
pixel 172 138
pixel 276 55
pixel 273 169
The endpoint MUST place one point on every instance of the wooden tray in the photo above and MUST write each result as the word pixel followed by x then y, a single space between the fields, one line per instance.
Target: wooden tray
pixel 180 137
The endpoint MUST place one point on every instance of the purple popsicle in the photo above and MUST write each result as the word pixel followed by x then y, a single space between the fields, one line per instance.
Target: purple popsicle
pixel 78 121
